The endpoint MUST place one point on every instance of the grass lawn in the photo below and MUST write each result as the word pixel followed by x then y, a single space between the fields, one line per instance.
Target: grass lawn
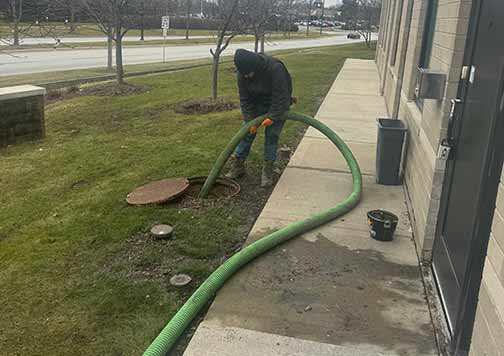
pixel 76 271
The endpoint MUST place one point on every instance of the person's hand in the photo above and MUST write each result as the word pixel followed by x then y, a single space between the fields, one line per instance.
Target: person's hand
pixel 267 122
pixel 252 130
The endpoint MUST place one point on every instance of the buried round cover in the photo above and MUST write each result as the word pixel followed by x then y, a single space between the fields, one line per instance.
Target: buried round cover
pixel 158 192
pixel 180 280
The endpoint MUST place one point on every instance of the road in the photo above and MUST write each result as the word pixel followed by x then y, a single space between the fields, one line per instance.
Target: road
pixel 37 61
pixel 95 39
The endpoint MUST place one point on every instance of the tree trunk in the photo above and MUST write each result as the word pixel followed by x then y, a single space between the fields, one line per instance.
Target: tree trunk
pixel 188 18
pixel 322 18
pixel 15 21
pixel 309 18
pixel 72 19
pixel 16 34
pixel 109 50
pixel 142 20
pixel 256 43
pixel 215 74
pixel 262 42
pixel 119 58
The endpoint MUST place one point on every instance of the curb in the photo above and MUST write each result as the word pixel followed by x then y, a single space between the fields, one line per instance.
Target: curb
pixel 74 82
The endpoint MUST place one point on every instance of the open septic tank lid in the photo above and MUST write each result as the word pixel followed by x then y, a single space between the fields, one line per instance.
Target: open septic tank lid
pixel 166 190
pixel 158 192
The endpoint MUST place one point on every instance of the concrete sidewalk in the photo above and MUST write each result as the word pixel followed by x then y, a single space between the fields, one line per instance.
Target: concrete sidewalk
pixel 333 291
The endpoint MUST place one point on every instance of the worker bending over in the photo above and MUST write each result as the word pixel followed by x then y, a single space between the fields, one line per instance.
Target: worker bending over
pixel 265 88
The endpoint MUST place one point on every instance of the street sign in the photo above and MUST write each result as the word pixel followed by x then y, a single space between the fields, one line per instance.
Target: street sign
pixel 165 25
pixel 165 22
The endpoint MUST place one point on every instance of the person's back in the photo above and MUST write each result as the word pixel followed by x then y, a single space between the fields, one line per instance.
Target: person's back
pixel 268 91
pixel 265 88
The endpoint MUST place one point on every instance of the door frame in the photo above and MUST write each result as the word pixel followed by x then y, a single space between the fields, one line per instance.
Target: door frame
pixel 462 330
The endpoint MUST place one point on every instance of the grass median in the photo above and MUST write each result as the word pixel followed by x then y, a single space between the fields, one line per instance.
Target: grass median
pixel 78 274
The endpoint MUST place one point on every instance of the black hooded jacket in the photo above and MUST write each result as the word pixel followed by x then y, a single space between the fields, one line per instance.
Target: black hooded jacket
pixel 269 91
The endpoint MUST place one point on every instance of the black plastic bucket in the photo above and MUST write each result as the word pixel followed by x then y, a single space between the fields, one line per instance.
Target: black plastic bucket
pixel 383 224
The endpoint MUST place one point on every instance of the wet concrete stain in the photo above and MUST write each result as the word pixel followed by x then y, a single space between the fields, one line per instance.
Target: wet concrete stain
pixel 326 292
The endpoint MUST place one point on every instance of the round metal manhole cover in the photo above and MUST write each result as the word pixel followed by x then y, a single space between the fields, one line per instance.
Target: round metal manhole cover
pixel 158 192
pixel 180 280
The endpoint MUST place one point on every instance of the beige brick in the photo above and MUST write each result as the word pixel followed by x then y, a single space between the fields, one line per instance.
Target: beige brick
pixel 495 288
pixel 453 10
pixel 495 256
pixel 498 229
pixel 482 344
pixel 452 25
pixel 500 198
pixel 450 41
pixel 494 322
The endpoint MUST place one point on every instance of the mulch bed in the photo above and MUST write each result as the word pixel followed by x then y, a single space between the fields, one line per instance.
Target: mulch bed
pixel 206 105
pixel 108 89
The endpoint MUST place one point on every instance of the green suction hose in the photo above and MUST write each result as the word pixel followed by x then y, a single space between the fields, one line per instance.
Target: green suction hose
pixel 172 331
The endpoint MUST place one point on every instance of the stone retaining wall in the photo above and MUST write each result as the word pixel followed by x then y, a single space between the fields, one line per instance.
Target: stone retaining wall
pixel 21 114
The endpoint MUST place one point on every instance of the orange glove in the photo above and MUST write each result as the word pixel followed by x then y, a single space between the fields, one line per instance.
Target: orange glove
pixel 267 122
pixel 253 130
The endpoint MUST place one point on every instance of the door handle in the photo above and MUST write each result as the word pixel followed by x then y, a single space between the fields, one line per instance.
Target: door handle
pixel 450 139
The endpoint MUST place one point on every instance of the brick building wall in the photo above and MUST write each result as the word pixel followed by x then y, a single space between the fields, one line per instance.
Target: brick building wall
pixel 424 173
pixel 21 114
pixel 488 334
pixel 398 58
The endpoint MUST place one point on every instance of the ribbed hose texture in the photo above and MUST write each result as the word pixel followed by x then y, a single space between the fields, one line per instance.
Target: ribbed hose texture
pixel 176 326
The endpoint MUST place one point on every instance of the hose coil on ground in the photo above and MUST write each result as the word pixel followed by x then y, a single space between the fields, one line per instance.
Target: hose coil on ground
pixel 207 290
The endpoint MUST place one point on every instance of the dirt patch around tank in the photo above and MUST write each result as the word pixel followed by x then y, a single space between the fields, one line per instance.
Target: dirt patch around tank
pixel 113 89
pixel 107 89
pixel 206 106
pixel 135 259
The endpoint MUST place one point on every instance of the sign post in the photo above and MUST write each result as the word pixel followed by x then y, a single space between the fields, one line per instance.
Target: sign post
pixel 165 25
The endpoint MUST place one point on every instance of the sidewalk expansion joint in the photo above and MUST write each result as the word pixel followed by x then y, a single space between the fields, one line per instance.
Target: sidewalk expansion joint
pixel 346 141
pixel 328 170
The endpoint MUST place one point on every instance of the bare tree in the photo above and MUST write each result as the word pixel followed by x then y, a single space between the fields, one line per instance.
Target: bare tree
pixel 28 18
pixel 228 29
pixel 68 9
pixel 309 7
pixel 188 6
pixel 13 12
pixel 322 7
pixel 260 15
pixel 362 16
pixel 142 20
pixel 114 18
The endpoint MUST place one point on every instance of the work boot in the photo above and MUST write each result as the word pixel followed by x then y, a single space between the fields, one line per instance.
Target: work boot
pixel 267 174
pixel 236 168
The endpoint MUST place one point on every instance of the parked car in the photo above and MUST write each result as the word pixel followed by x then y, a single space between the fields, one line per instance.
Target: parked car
pixel 354 36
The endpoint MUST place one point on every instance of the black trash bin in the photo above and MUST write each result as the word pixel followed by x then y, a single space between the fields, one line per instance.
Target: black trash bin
pixel 391 135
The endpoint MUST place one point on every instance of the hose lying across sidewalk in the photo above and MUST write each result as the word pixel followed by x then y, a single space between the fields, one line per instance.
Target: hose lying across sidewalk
pixel 172 331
